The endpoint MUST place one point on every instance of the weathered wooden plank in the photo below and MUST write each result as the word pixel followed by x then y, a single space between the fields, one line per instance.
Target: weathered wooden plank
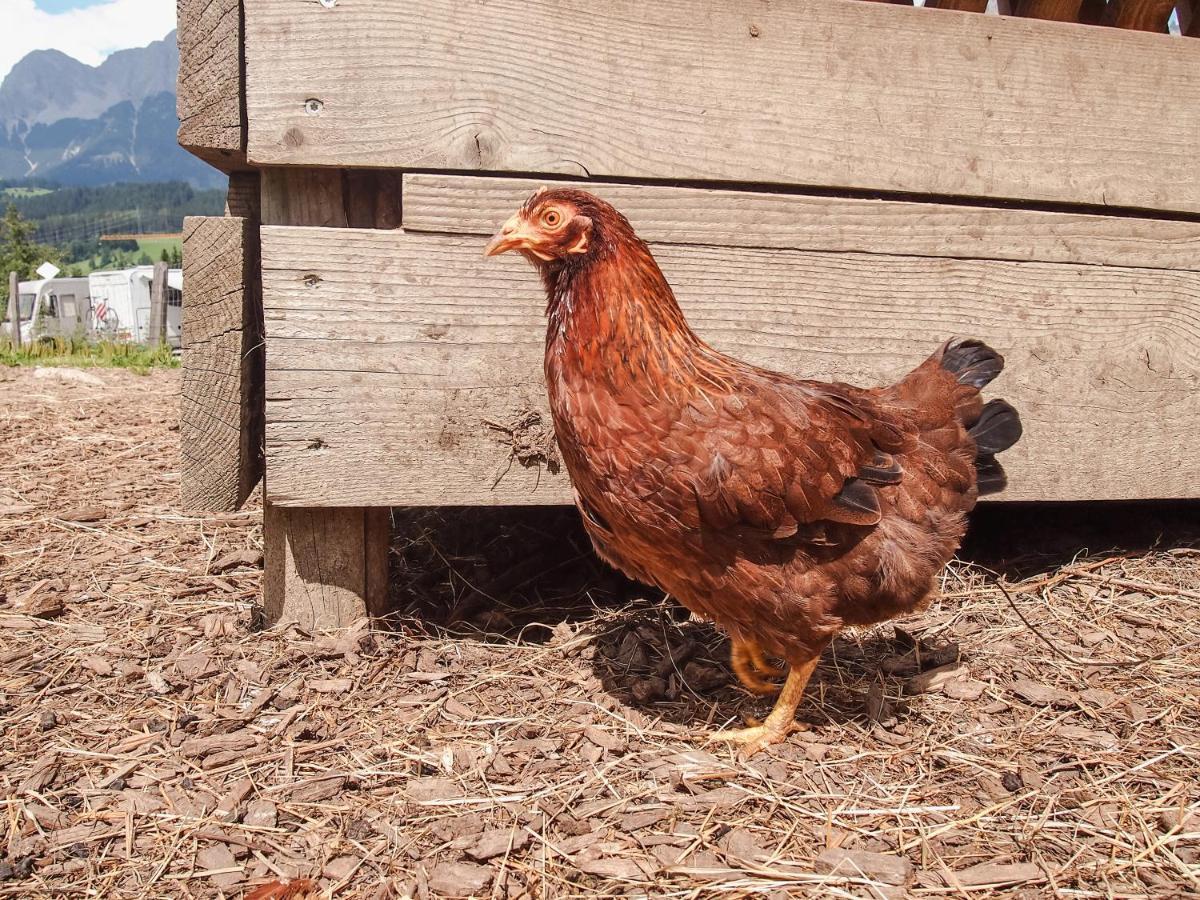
pixel 357 198
pixel 333 563
pixel 220 428
pixel 467 204
pixel 390 352
pixel 325 568
pixel 158 305
pixel 209 96
pixel 686 89
pixel 242 196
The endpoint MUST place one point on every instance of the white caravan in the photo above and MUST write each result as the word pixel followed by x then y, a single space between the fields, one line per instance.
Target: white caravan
pixel 52 307
pixel 121 304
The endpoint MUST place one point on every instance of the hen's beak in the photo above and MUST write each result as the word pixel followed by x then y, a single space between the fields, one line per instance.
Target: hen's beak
pixel 511 236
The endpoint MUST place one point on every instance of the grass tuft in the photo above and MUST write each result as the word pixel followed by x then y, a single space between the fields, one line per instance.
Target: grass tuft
pixel 88 354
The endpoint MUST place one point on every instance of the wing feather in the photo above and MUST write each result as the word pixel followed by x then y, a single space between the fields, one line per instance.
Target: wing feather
pixel 784 457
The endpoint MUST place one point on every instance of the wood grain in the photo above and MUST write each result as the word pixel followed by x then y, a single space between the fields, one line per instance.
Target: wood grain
pixel 331 562
pixel 209 97
pixel 684 89
pixel 325 568
pixel 243 196
pixel 354 198
pixel 390 352
pixel 466 204
pixel 220 428
pixel 158 305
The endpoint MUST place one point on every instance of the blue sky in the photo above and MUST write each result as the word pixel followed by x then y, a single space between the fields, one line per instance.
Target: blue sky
pixel 58 6
pixel 88 30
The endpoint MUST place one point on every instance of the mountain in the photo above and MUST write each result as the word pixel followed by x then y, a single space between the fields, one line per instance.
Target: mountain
pixel 86 125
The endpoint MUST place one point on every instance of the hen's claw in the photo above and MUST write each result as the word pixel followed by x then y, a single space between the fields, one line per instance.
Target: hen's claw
pixel 749 665
pixel 758 737
pixel 762 666
pixel 782 720
pixel 755 685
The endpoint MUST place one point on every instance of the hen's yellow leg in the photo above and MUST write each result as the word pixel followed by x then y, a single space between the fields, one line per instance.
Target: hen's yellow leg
pixel 782 720
pixel 749 665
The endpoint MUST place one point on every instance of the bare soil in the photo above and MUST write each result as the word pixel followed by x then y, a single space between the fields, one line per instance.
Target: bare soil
pixel 533 725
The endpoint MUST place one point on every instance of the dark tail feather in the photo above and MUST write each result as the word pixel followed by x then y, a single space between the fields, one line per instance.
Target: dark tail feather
pixel 997 429
pixel 990 477
pixel 972 362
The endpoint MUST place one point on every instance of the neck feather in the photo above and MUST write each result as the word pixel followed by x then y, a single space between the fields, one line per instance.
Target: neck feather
pixel 616 296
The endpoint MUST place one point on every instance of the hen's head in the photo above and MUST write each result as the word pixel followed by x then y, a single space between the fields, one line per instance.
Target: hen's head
pixel 560 226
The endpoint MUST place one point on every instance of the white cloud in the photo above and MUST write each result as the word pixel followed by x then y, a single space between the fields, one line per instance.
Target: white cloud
pixel 88 34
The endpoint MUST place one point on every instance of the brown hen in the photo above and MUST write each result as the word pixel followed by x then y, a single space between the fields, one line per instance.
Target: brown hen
pixel 779 508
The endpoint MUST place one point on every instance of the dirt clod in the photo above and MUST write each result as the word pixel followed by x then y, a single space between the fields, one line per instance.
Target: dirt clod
pixel 530 436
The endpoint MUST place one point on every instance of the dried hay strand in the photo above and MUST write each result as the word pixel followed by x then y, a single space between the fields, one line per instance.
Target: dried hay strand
pixel 532 726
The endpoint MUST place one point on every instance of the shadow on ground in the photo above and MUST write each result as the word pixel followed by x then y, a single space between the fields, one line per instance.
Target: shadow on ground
pixel 512 575
pixel 1022 539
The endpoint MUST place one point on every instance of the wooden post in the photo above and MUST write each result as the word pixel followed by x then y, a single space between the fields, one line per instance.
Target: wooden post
pixel 209 97
pixel 158 305
pixel 220 421
pixel 14 307
pixel 325 566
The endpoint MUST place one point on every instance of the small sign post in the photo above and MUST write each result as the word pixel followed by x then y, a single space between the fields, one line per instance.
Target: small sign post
pixel 158 305
pixel 14 307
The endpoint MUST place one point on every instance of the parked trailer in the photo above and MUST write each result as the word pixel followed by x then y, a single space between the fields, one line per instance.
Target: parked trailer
pixel 52 307
pixel 121 304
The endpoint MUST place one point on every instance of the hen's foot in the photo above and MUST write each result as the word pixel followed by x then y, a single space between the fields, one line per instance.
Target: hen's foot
pixel 749 665
pixel 782 720
pixel 758 737
pixel 761 664
pixel 755 685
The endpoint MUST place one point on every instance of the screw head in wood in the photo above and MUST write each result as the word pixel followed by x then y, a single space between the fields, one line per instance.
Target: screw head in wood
pixel 313 106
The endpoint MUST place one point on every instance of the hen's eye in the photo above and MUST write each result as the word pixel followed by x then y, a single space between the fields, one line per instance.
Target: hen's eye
pixel 551 218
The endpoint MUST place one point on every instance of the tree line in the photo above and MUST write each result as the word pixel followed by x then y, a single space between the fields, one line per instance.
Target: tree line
pixel 45 222
pixel 19 252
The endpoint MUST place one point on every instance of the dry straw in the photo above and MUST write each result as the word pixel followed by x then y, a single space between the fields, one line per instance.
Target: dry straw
pixel 529 729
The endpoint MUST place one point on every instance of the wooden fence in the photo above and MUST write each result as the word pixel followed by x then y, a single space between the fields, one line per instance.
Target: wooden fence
pixel 832 186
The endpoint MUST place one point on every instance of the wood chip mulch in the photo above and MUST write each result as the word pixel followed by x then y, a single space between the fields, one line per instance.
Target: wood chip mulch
pixel 529 727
